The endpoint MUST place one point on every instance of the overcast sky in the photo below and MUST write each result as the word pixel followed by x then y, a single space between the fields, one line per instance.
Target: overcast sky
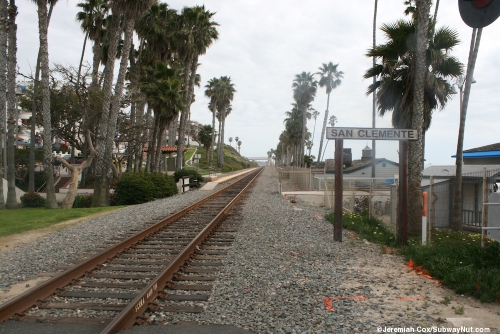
pixel 263 44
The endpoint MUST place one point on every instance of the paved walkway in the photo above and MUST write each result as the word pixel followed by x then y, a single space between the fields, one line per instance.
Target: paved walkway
pixel 222 177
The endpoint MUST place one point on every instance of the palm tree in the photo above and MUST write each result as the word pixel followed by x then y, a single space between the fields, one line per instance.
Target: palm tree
pixel 330 79
pixel 129 11
pixel 31 172
pixel 315 115
pixel 224 107
pixel 396 75
pixel 11 201
pixel 456 221
pixel 416 149
pixel 164 94
pixel 239 146
pixel 92 19
pixel 230 141
pixel 3 88
pixel 45 106
pixel 293 134
pixel 197 32
pixel 374 96
pixel 212 92
pixel 304 90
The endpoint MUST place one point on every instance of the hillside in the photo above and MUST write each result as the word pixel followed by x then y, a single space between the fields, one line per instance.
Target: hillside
pixel 233 161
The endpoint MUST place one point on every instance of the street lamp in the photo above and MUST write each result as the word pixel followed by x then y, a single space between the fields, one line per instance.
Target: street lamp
pixel 460 84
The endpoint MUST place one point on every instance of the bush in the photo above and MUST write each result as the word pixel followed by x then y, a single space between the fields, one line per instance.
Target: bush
pixel 82 201
pixel 187 172
pixel 136 188
pixel 32 200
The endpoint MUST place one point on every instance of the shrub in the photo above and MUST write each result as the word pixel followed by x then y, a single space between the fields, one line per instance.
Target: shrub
pixel 32 200
pixel 186 172
pixel 82 201
pixel 136 188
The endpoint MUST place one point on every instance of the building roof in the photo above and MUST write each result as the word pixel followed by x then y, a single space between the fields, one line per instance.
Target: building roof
pixel 487 148
pixel 450 171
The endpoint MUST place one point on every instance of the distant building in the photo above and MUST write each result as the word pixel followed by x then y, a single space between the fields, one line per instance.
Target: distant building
pixel 442 193
pixel 484 155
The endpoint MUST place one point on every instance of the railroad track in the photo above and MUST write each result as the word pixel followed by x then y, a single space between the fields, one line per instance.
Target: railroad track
pixel 167 267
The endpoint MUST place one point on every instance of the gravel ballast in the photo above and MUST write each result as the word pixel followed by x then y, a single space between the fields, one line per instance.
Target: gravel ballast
pixel 284 273
pixel 25 262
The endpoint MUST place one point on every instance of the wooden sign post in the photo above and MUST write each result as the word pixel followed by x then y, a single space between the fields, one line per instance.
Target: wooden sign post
pixel 403 135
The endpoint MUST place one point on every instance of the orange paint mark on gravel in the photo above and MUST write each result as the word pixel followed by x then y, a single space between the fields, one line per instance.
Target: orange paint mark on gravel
pixel 410 298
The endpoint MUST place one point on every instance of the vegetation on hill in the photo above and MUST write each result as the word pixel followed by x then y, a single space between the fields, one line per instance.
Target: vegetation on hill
pixel 233 161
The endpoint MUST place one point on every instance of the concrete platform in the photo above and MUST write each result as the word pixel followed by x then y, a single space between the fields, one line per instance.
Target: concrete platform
pixel 222 177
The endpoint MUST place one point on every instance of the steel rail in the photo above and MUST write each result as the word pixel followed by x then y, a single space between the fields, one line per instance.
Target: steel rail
pixel 29 298
pixel 145 299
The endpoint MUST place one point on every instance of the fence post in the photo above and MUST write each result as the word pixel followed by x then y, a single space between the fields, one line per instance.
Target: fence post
pixel 485 207
pixel 424 218
pixel 431 211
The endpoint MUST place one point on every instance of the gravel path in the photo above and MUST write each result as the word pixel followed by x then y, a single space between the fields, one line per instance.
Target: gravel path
pixel 284 273
pixel 25 262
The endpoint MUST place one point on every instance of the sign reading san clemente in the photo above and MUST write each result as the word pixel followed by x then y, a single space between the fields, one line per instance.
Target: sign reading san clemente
pixel 371 134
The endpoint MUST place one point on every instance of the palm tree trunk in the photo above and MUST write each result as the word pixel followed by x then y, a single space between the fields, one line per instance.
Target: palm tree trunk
pixel 45 82
pixel 4 23
pixel 220 154
pixel 31 168
pixel 456 222
pixel 219 139
pixel 324 127
pixel 189 77
pixel 96 61
pixel 153 145
pixel 213 136
pixel 114 110
pixel 374 97
pixel 11 201
pixel 303 139
pixel 139 136
pixel 415 153
pixel 102 167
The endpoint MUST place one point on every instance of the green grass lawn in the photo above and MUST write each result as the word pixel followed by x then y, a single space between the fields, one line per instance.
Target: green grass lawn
pixel 189 153
pixel 26 219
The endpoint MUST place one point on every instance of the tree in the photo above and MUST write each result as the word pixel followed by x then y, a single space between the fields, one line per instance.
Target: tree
pixel 128 11
pixel 50 202
pixel 31 184
pixel 75 173
pixel 416 153
pixel 226 95
pixel 212 92
pixel 4 24
pixel 374 96
pixel 239 146
pixel 205 138
pixel 332 120
pixel 304 90
pixel 164 95
pixel 11 201
pixel 197 33
pixel 230 141
pixel 456 221
pixel 315 115
pixel 330 79
pixel 395 88
pixel 92 18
